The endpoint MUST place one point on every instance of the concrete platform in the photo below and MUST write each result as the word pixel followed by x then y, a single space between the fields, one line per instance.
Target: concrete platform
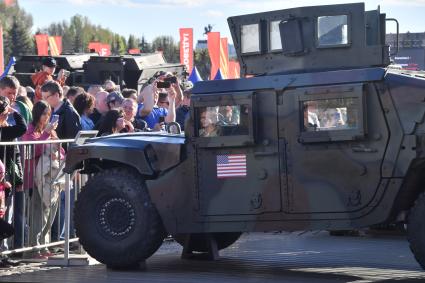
pixel 258 257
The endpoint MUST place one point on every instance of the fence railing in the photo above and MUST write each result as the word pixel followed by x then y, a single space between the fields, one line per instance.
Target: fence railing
pixel 40 201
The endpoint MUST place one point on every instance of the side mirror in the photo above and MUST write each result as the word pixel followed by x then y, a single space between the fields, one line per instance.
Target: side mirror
pixel 291 36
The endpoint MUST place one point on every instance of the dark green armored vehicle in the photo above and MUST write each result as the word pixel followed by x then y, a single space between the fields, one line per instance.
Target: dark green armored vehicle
pixel 321 137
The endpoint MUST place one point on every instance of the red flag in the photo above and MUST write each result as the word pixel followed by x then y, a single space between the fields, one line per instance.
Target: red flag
pixel 224 58
pixel 105 49
pixel 234 70
pixel 94 46
pixel 134 51
pixel 1 51
pixel 101 48
pixel 58 40
pixel 42 41
pixel 186 48
pixel 214 52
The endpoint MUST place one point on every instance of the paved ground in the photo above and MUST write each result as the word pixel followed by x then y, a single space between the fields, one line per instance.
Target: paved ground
pixel 257 257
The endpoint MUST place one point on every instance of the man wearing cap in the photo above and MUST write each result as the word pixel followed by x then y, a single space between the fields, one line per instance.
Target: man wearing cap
pixel 46 74
pixel 114 100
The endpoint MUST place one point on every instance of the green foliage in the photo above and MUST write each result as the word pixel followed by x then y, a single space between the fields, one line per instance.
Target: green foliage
pixel 167 45
pixel 203 63
pixel 17 26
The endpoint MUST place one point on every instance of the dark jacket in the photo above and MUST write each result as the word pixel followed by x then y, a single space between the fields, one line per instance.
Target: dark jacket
pixel 69 121
pixel 10 133
pixel 181 114
pixel 95 117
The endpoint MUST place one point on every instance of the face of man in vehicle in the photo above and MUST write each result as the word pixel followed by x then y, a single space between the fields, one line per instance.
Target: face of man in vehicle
pixel 10 93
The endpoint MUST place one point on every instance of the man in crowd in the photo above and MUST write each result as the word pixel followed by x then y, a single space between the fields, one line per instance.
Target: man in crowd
pixel 110 86
pixel 94 89
pixel 150 111
pixel 9 89
pixel 73 92
pixel 46 74
pixel 114 100
pixel 69 120
pixel 101 107
pixel 183 111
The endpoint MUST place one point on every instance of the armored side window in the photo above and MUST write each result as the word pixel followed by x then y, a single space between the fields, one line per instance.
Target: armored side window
pixel 223 120
pixel 250 38
pixel 275 42
pixel 332 114
pixel 332 31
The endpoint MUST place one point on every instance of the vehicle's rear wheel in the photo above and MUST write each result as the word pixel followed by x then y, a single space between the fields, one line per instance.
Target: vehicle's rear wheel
pixel 199 242
pixel 115 220
pixel 416 230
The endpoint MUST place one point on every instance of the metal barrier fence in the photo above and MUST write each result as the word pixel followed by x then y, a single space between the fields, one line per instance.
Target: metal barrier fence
pixel 41 198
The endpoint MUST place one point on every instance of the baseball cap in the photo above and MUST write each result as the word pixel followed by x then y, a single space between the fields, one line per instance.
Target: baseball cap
pixel 115 96
pixel 49 62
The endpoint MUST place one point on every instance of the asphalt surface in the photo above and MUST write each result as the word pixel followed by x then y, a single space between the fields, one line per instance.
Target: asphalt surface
pixel 257 257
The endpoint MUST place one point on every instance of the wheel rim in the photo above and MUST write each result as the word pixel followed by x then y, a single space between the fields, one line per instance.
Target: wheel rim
pixel 116 218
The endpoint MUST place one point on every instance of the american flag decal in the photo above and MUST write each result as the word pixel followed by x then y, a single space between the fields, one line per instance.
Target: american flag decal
pixel 232 165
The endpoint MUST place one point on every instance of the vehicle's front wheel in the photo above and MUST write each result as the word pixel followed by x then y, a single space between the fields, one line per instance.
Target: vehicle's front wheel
pixel 115 220
pixel 416 230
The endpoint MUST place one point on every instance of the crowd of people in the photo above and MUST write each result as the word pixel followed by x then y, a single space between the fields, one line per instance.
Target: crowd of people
pixel 55 111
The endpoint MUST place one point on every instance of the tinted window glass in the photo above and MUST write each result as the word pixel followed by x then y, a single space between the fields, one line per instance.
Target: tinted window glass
pixel 332 30
pixel 229 120
pixel 250 38
pixel 331 114
pixel 275 42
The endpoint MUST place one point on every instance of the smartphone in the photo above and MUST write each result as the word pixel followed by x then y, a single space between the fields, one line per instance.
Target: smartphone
pixel 54 119
pixel 163 84
pixel 161 119
pixel 172 80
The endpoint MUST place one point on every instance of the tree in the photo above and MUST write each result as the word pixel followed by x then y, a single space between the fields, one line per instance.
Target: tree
pixel 203 62
pixel 133 42
pixel 144 45
pixel 169 48
pixel 17 26
pixel 18 40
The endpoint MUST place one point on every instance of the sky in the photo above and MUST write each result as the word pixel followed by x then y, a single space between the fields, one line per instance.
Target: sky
pixel 152 18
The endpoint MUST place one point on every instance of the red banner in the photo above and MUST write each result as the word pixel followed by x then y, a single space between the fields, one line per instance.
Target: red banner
pixel 101 48
pixel 214 52
pixel 58 40
pixel 55 44
pixel 134 51
pixel 42 41
pixel 224 58
pixel 234 70
pixel 186 48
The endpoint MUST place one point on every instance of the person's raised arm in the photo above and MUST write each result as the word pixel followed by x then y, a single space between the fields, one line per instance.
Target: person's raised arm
pixel 172 94
pixel 148 96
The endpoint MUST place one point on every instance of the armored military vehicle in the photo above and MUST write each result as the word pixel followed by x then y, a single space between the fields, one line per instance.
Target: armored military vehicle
pixel 321 137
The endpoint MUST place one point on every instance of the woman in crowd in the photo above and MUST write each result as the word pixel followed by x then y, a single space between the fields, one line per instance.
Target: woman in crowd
pixel 114 123
pixel 39 130
pixel 84 104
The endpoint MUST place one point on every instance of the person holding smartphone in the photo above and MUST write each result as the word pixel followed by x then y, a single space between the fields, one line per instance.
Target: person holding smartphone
pixel 40 129
pixel 155 115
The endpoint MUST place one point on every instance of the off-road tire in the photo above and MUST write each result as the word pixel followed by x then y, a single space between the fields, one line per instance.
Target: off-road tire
pixel 115 220
pixel 199 243
pixel 416 230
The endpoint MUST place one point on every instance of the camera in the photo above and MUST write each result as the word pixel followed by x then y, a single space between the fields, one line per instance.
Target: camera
pixel 172 80
pixel 163 84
